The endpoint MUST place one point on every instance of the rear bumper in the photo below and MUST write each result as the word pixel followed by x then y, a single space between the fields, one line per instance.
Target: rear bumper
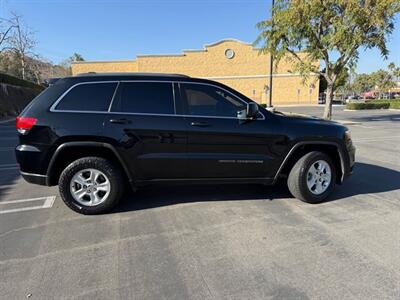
pixel 35 178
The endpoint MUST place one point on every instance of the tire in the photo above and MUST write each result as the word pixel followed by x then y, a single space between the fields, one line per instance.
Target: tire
pixel 99 195
pixel 299 177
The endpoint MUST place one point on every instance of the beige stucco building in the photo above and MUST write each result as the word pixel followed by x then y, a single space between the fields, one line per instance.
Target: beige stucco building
pixel 232 62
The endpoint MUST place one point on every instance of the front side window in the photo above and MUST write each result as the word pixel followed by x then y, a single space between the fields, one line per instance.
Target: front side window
pixel 88 97
pixel 145 97
pixel 207 100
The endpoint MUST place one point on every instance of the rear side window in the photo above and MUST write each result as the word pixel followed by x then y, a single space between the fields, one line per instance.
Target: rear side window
pixel 88 97
pixel 145 97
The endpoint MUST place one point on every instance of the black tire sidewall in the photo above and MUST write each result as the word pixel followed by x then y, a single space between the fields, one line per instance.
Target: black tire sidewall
pixel 100 164
pixel 308 195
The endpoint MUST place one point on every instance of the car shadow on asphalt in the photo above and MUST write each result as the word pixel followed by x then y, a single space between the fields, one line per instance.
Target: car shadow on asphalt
pixel 367 179
pixel 158 196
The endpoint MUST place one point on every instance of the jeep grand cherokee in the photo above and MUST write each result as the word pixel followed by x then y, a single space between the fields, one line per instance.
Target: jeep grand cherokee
pixel 93 133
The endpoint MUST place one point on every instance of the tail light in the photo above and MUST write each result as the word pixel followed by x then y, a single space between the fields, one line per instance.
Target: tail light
pixel 24 124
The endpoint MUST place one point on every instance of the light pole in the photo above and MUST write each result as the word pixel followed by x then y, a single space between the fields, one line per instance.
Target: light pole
pixel 271 61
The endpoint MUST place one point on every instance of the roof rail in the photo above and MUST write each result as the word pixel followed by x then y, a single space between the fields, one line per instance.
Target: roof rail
pixel 132 74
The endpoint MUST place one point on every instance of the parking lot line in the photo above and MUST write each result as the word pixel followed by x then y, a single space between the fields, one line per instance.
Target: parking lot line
pixel 47 203
pixel 378 138
pixel 6 186
pixel 7 121
pixel 9 167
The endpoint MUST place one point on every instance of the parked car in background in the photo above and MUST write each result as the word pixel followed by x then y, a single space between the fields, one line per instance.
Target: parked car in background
pixel 353 98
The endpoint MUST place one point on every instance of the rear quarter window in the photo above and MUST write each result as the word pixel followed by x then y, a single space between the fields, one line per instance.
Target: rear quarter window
pixel 88 97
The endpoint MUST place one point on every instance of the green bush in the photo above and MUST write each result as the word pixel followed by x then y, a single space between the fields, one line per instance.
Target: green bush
pixel 8 79
pixel 368 105
pixel 395 104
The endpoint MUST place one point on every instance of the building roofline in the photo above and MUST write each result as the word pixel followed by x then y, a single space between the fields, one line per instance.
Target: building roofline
pixel 204 49
pixel 103 61
pixel 184 51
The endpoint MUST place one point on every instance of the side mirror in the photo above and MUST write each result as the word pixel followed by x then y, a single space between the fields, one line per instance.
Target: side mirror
pixel 252 110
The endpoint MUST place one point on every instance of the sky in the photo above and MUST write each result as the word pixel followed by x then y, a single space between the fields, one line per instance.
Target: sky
pixel 122 29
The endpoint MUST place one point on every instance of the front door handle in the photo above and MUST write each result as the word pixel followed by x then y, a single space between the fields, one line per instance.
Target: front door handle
pixel 120 121
pixel 199 124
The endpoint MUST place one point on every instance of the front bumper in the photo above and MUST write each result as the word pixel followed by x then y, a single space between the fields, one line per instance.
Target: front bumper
pixel 348 170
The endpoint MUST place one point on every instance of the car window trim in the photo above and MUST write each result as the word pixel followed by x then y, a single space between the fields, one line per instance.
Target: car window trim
pixel 52 108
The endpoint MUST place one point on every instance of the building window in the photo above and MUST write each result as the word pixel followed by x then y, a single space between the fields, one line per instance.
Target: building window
pixel 229 53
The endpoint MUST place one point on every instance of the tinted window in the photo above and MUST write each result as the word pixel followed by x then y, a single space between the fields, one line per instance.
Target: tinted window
pixel 88 97
pixel 207 100
pixel 145 97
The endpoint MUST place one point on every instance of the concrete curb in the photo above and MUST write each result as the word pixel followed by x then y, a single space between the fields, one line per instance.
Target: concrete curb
pixel 345 122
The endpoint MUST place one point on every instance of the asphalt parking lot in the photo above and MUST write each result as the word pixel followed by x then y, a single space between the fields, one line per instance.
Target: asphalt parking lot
pixel 212 242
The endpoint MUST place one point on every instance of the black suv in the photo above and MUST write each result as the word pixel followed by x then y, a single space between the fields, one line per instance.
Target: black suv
pixel 93 133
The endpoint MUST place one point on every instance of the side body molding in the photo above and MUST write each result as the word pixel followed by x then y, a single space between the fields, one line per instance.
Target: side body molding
pixel 86 144
pixel 299 144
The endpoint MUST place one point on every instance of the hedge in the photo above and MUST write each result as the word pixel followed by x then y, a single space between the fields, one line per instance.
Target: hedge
pixel 8 79
pixel 368 105
pixel 395 104
pixel 375 104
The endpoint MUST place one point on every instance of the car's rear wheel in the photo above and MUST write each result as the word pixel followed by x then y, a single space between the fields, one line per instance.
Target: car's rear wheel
pixel 91 185
pixel 312 179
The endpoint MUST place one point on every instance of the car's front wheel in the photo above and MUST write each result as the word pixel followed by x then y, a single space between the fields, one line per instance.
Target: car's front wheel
pixel 91 185
pixel 312 178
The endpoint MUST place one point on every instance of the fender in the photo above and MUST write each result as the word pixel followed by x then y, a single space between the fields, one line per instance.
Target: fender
pixel 297 145
pixel 86 144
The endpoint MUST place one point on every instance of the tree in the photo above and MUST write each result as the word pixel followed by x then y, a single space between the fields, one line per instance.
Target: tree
pixel 5 31
pixel 305 31
pixel 21 42
pixel 362 83
pixel 340 82
pixel 73 58
pixel 394 70
pixel 384 80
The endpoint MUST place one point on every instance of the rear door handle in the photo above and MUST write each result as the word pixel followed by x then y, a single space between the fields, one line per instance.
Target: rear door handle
pixel 199 124
pixel 120 121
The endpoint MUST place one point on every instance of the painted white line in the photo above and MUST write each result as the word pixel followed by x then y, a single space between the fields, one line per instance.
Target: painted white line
pixel 48 203
pixel 378 138
pixel 381 119
pixel 6 186
pixel 364 126
pixel 6 121
pixel 23 200
pixel 10 168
